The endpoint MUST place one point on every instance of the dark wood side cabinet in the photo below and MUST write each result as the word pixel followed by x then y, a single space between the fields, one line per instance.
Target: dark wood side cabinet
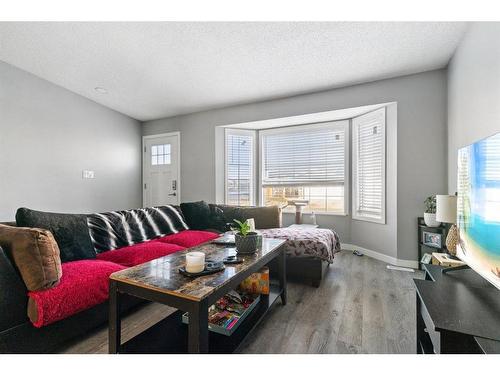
pixel 457 312
pixel 442 230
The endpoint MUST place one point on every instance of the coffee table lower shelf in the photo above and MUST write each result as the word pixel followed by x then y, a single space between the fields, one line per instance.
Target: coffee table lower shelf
pixel 170 335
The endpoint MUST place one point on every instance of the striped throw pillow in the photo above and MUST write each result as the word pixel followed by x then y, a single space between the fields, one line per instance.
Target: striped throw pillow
pixel 116 229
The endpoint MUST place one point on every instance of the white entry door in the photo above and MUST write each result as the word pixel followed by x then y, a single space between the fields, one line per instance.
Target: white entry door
pixel 160 168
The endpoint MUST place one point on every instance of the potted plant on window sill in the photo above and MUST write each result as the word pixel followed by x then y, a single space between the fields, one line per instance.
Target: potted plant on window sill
pixel 430 212
pixel 246 241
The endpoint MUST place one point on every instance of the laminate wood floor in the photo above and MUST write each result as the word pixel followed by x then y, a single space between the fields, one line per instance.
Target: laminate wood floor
pixel 360 307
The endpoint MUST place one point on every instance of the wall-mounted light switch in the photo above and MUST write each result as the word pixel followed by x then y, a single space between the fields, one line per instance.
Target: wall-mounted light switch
pixel 88 174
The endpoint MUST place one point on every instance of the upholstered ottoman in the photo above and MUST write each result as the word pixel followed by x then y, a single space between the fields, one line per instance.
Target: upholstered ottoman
pixel 309 250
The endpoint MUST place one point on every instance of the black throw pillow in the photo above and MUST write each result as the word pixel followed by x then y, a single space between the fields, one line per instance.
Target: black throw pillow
pixel 70 231
pixel 197 214
pixel 218 220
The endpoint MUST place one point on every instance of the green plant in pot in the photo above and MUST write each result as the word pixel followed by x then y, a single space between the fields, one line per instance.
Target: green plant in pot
pixel 246 241
pixel 430 212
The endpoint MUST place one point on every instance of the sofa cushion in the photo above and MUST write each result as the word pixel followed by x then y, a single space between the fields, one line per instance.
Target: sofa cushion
pixel 117 229
pixel 197 214
pixel 217 221
pixel 83 284
pixel 69 230
pixel 12 296
pixel 265 217
pixel 141 253
pixel 189 238
pixel 35 253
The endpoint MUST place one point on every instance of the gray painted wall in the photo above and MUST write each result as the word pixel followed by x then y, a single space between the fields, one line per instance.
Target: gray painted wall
pixel 421 157
pixel 48 135
pixel 473 91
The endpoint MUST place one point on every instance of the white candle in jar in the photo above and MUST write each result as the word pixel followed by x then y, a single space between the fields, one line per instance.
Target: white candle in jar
pixel 195 261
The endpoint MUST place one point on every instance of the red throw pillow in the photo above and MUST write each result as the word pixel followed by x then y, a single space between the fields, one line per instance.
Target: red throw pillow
pixel 140 253
pixel 189 238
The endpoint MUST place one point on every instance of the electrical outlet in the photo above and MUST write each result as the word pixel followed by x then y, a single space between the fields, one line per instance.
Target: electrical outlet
pixel 88 174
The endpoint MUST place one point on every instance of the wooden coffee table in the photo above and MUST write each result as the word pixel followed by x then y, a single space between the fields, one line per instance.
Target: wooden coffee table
pixel 160 281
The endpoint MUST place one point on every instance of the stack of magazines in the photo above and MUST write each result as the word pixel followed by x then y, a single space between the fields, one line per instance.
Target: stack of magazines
pixel 228 310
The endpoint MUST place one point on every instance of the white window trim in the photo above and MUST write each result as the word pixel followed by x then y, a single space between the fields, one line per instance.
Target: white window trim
pixel 341 124
pixel 355 214
pixel 253 134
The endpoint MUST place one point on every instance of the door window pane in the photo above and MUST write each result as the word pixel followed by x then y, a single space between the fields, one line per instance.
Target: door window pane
pixel 161 154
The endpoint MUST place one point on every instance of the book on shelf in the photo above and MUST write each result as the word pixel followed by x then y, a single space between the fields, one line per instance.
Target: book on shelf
pixel 225 315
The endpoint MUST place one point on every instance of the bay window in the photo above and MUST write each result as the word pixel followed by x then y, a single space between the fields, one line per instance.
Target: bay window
pixel 306 162
pixel 311 162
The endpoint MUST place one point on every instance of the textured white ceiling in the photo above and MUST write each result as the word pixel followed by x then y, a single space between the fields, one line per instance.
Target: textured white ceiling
pixel 160 69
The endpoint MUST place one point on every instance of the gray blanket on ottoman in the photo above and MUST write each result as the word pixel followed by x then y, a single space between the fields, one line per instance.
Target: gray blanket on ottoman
pixel 316 242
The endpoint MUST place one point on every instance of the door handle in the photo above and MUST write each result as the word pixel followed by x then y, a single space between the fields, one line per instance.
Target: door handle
pixel 173 194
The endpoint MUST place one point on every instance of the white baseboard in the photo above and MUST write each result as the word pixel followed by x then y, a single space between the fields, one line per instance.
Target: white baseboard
pixel 384 258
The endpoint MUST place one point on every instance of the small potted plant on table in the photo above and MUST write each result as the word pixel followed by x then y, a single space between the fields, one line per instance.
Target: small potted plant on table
pixel 430 212
pixel 246 241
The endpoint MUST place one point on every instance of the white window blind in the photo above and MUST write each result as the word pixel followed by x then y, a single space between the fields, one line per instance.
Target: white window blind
pixel 304 155
pixel 239 167
pixel 369 166
pixel 464 183
pixel 490 148
pixel 487 159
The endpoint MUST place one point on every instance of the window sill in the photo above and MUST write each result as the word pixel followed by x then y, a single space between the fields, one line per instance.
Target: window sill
pixel 369 220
